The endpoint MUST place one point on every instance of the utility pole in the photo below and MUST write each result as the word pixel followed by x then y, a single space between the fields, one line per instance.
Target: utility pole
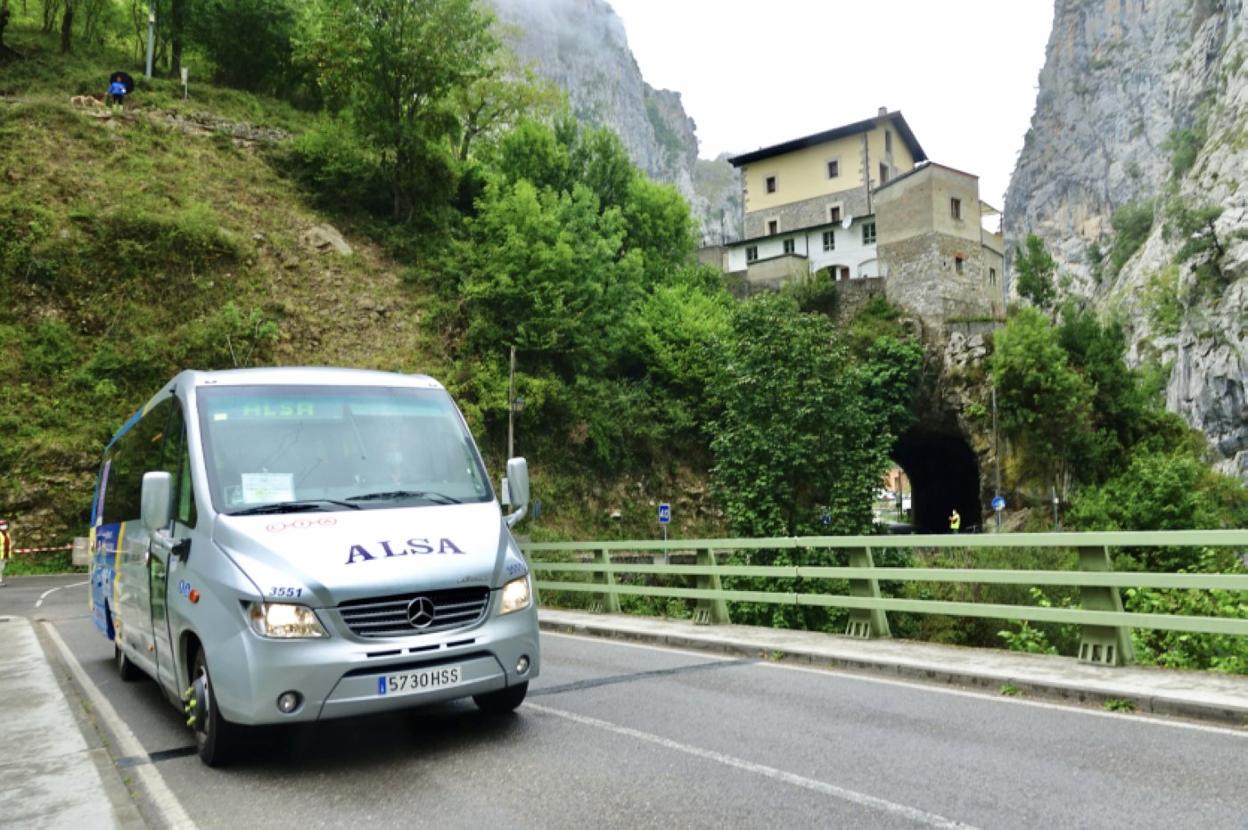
pixel 996 452
pixel 511 407
pixel 151 35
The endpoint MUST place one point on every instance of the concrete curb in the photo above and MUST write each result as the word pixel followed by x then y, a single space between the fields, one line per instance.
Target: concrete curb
pixel 1028 683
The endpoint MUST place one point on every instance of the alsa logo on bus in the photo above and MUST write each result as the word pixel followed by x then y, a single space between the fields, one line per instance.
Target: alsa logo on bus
pixel 413 547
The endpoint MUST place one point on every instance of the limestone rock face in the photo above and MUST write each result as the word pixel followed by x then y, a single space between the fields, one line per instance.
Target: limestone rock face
pixel 581 46
pixel 1126 84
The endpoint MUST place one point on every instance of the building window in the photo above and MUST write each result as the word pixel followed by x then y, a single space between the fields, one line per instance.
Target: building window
pixel 868 233
pixel 992 276
pixel 958 262
pixel 771 184
pixel 829 240
pixel 955 208
pixel 773 227
pixel 834 168
pixel 751 254
pixel 883 173
pixel 834 213
pixel 888 141
pixel 790 246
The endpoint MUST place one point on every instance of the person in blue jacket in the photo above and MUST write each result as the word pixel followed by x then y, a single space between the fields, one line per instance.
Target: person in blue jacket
pixel 117 92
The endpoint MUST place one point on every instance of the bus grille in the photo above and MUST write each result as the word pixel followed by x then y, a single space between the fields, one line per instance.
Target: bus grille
pixel 393 616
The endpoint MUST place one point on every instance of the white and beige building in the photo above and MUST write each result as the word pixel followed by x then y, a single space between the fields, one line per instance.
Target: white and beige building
pixel 863 202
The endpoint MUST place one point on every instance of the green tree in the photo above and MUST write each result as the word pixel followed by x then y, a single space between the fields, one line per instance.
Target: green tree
pixel 797 449
pixel 543 272
pixel 398 65
pixel 1162 489
pixel 1118 402
pixel 1036 269
pixel 499 97
pixel 248 41
pixel 1044 404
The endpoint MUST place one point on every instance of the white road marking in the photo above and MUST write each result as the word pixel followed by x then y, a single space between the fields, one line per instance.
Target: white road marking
pixel 1154 720
pixel 162 797
pixel 892 808
pixel 44 595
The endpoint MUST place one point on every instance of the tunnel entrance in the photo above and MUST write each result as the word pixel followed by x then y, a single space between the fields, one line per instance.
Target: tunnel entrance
pixel 944 475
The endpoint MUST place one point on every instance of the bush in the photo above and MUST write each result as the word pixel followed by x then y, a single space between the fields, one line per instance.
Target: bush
pixel 337 168
pixel 1132 223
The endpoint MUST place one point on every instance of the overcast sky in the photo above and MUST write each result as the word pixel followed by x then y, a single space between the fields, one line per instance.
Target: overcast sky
pixel 963 72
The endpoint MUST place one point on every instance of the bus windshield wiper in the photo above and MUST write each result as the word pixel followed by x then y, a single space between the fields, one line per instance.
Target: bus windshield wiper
pixel 302 506
pixel 391 495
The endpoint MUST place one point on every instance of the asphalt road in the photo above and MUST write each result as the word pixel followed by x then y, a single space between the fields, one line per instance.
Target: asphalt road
pixel 618 735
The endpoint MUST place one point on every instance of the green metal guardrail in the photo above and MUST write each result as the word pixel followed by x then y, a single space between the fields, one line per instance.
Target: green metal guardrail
pixel 1105 626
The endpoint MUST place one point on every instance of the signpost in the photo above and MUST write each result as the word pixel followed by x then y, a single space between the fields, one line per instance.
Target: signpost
pixel 998 504
pixel 665 517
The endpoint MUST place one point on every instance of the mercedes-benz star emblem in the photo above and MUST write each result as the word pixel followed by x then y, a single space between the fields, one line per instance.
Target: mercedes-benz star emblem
pixel 420 612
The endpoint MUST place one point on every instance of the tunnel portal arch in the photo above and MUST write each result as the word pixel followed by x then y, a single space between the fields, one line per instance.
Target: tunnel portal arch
pixel 944 475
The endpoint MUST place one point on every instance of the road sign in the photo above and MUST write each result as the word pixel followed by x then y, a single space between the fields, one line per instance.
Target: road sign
pixel 998 503
pixel 665 513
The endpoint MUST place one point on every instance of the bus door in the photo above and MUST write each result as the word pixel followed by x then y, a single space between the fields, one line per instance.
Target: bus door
pixel 136 451
pixel 166 566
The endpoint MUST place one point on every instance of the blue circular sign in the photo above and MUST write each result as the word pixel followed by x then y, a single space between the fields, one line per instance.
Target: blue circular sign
pixel 998 503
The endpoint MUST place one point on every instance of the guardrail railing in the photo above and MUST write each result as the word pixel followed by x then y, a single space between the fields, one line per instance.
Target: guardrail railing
pixel 1104 624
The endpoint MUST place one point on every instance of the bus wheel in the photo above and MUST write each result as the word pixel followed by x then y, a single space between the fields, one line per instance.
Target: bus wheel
pixel 215 738
pixel 129 671
pixel 502 701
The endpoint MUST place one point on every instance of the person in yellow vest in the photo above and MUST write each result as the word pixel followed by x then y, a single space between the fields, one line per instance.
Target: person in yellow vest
pixel 6 548
pixel 955 521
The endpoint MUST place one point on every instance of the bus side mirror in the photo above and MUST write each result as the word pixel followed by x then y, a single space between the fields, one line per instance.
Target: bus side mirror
pixel 156 500
pixel 517 489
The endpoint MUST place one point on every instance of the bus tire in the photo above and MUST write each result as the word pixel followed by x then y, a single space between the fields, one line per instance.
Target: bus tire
pixel 216 739
pixel 502 701
pixel 129 671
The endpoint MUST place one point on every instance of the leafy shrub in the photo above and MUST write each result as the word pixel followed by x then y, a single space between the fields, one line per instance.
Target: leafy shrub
pixel 1161 298
pixel 1184 144
pixel 332 163
pixel 1132 223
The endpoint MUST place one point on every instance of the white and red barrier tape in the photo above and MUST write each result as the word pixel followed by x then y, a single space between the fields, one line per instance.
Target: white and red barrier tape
pixel 70 546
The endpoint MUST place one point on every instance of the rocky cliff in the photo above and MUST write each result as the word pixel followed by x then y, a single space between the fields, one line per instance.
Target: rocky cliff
pixel 581 46
pixel 1141 123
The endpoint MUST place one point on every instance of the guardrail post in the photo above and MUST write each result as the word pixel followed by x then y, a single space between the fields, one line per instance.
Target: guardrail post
pixel 709 611
pixel 865 623
pixel 608 602
pixel 1102 644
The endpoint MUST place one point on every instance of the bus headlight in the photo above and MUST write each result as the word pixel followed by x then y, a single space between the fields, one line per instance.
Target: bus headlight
pixel 282 621
pixel 515 596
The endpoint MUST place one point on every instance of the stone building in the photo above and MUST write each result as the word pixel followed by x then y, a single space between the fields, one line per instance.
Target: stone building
pixel 863 203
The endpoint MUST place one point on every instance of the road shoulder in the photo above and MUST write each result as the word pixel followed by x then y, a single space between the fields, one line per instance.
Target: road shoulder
pixel 57 771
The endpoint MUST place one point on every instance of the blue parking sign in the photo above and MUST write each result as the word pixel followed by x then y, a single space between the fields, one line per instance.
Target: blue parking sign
pixel 665 513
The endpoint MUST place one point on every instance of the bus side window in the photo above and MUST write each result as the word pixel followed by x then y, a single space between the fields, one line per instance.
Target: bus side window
pixel 176 460
pixel 135 453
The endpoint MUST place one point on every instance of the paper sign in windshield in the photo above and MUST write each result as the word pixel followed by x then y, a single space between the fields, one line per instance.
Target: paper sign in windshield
pixel 264 488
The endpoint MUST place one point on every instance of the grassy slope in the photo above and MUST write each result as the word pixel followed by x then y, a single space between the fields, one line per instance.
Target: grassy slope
pixel 124 241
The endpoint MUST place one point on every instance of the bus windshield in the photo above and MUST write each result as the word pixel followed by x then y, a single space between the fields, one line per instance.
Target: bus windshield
pixel 293 448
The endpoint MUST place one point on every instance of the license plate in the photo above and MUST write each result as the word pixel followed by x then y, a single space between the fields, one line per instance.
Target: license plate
pixel 416 681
